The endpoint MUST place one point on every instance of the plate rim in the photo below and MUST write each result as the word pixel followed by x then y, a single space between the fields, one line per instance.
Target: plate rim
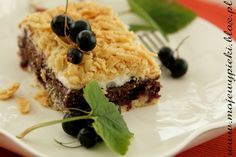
pixel 194 135
pixel 191 137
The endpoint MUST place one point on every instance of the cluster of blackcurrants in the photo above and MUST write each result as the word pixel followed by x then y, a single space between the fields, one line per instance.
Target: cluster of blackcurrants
pixel 81 129
pixel 79 32
pixel 177 66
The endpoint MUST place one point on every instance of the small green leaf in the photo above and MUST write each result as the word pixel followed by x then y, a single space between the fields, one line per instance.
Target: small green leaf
pixel 108 122
pixel 168 16
pixel 136 27
pixel 136 8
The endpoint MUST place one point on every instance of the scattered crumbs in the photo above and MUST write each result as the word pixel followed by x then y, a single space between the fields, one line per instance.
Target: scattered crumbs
pixel 23 105
pixel 9 92
pixel 42 97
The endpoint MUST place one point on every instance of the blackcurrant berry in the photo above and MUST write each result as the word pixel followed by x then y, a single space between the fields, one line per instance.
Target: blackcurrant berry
pixel 77 27
pixel 74 56
pixel 86 40
pixel 58 25
pixel 73 128
pixel 87 137
pixel 98 139
pixel 165 52
pixel 166 56
pixel 179 68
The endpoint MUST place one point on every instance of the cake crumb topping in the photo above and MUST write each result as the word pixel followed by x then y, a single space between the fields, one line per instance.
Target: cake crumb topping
pixel 23 105
pixel 9 92
pixel 118 51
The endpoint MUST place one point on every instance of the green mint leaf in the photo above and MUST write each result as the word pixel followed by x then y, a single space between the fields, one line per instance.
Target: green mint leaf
pixel 108 122
pixel 139 10
pixel 169 16
pixel 136 27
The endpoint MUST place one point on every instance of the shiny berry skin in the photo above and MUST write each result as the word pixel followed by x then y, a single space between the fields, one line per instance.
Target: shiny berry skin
pixel 58 25
pixel 86 40
pixel 74 56
pixel 87 137
pixel 179 68
pixel 73 128
pixel 77 27
pixel 166 56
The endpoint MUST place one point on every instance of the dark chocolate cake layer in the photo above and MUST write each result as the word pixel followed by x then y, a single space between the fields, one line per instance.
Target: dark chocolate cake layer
pixel 62 97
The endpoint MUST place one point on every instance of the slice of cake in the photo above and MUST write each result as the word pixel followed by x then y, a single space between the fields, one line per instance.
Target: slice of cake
pixel 126 71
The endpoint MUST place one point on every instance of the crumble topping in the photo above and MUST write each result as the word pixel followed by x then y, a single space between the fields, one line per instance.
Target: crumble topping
pixel 118 52
pixel 23 105
pixel 9 92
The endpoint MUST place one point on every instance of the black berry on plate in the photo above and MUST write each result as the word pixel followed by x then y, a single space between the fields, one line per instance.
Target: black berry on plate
pixel 58 25
pixel 164 53
pixel 86 40
pixel 77 27
pixel 73 128
pixel 82 104
pixel 179 68
pixel 87 137
pixel 74 56
pixel 98 139
pixel 166 56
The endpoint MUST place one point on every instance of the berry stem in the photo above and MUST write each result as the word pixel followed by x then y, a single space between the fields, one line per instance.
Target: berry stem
pixel 65 144
pixel 65 27
pixel 77 109
pixel 65 17
pixel 59 142
pixel 180 44
pixel 44 124
pixel 67 1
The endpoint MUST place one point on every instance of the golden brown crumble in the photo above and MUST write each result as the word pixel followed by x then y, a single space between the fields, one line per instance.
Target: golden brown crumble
pixel 117 53
pixel 23 105
pixel 9 92
pixel 42 97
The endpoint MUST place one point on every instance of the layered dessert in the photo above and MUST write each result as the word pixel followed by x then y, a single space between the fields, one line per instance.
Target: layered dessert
pixel 125 70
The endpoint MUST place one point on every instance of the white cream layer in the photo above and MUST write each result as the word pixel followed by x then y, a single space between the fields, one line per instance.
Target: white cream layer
pixel 117 82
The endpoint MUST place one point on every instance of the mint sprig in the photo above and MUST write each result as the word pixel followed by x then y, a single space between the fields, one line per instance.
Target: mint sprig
pixel 167 17
pixel 108 122
pixel 137 27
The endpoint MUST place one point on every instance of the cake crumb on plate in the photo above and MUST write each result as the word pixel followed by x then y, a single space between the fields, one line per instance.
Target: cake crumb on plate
pixel 42 97
pixel 23 105
pixel 9 92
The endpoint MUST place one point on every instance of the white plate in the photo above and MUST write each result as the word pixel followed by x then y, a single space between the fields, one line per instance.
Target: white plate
pixel 191 110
